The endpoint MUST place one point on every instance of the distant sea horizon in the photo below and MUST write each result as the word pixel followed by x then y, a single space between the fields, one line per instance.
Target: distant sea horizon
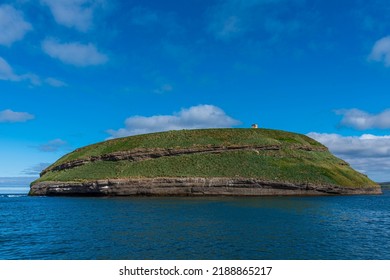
pixel 16 185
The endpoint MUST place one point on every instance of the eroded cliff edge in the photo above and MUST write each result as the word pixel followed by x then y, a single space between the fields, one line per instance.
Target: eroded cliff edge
pixel 242 162
pixel 192 187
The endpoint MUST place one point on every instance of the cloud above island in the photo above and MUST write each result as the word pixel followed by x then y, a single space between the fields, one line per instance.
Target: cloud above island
pixel 201 116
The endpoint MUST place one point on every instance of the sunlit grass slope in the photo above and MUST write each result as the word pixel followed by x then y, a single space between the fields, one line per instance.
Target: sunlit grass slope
pixel 298 159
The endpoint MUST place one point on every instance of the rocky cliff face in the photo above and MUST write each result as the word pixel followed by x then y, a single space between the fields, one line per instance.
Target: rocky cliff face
pixel 191 187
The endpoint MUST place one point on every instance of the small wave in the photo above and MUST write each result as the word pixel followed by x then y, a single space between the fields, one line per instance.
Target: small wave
pixel 13 195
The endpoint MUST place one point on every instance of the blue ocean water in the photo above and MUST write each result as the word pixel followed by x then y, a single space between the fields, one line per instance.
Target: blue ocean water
pixel 340 227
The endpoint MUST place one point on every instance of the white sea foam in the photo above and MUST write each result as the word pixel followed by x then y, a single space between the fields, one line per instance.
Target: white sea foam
pixel 12 195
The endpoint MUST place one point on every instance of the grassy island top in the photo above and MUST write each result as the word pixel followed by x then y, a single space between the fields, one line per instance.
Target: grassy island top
pixel 265 154
pixel 193 138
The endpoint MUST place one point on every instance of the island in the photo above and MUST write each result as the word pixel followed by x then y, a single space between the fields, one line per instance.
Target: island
pixel 203 162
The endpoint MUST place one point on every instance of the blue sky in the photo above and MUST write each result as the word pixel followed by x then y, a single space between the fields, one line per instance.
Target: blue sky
pixel 75 72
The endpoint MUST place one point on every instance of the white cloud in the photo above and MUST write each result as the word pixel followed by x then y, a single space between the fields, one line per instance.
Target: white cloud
pixel 366 145
pixel 201 116
pixel 381 51
pixel 13 27
pixel 367 153
pixel 74 53
pixel 53 145
pixel 76 14
pixel 12 116
pixel 361 120
pixel 7 74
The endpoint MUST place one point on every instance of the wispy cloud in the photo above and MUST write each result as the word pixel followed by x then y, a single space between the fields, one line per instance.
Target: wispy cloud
pixel 53 146
pixel 8 74
pixel 381 51
pixel 55 82
pixel 74 53
pixel 13 117
pixel 6 71
pixel 367 153
pixel 201 116
pixel 13 27
pixel 362 120
pixel 76 14
pixel 36 169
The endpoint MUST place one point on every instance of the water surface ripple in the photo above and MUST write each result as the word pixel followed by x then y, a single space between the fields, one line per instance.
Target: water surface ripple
pixel 340 227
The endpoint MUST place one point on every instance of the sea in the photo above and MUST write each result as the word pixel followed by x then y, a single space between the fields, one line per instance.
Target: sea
pixel 199 228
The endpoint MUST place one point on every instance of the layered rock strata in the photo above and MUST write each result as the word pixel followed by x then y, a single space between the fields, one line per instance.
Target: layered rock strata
pixel 191 187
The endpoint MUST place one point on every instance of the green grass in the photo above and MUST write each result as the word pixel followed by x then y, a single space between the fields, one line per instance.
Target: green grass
pixel 288 164
pixel 192 138
pixel 282 166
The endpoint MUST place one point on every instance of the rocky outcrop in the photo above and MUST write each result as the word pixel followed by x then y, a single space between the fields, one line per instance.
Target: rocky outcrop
pixel 144 154
pixel 191 187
